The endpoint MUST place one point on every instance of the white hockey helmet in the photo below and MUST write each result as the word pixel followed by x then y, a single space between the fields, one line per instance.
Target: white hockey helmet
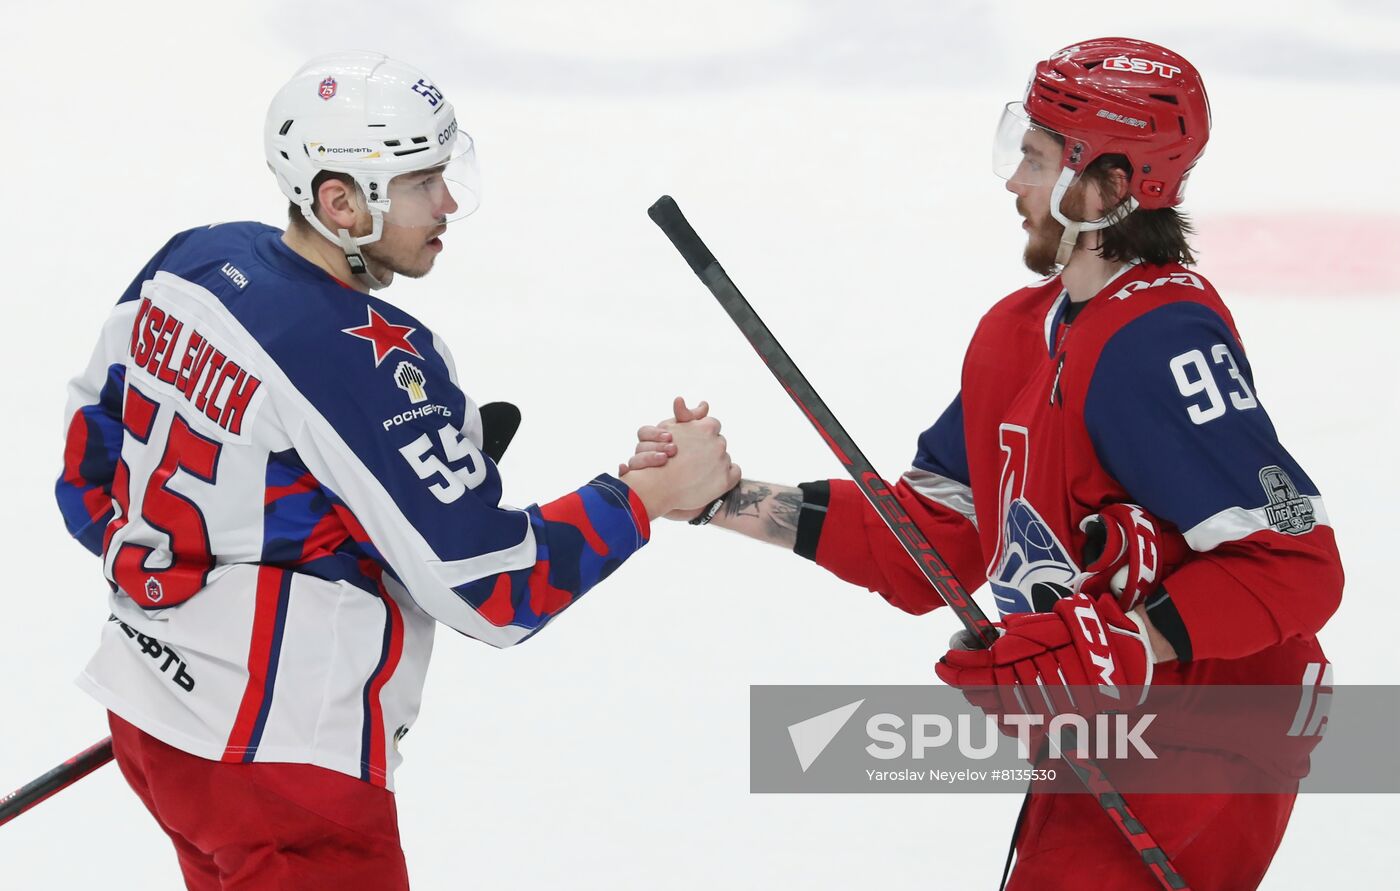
pixel 375 119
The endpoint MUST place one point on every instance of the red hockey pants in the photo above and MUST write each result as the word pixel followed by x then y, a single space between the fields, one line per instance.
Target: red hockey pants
pixel 1218 842
pixel 249 827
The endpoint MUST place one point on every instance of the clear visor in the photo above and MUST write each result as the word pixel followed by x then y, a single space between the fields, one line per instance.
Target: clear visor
pixel 1025 152
pixel 436 196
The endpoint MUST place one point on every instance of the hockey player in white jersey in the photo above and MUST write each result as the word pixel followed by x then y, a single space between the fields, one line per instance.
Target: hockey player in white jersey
pixel 288 491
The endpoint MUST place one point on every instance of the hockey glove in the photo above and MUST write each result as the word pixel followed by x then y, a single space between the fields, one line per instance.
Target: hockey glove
pixel 1080 657
pixel 1123 554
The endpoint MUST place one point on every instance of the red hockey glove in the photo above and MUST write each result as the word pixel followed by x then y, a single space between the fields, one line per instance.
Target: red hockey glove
pixel 1124 554
pixel 1088 644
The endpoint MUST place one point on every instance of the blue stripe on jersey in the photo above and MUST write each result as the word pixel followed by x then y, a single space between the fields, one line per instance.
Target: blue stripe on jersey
pixel 274 657
pixel 96 466
pixel 943 447
pixel 1189 443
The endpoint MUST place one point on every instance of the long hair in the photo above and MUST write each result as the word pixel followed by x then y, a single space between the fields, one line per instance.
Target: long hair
pixel 1152 236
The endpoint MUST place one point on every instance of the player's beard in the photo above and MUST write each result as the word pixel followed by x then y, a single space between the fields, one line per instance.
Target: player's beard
pixel 1043 235
pixel 406 255
pixel 1042 242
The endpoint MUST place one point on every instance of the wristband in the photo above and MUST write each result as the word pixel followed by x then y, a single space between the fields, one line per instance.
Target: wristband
pixel 705 516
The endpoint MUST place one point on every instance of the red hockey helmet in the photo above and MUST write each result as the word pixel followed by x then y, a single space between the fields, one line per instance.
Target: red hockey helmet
pixel 1118 96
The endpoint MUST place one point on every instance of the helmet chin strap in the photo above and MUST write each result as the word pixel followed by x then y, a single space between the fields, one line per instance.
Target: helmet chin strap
pixel 359 267
pixel 351 245
pixel 1070 238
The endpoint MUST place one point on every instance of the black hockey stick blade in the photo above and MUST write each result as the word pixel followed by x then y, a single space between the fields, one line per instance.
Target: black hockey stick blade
pixel 667 215
pixel 499 421
pixel 56 780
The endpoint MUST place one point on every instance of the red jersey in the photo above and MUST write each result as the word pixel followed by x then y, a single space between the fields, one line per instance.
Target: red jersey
pixel 1145 397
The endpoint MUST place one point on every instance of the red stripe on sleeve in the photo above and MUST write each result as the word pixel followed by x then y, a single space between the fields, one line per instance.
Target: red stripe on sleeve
pixel 639 514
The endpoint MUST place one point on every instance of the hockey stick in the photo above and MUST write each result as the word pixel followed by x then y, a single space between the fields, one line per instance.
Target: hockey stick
pixel 56 780
pixel 667 215
pixel 499 421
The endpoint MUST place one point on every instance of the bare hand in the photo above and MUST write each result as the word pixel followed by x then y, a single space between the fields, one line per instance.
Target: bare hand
pixel 681 465
pixel 654 443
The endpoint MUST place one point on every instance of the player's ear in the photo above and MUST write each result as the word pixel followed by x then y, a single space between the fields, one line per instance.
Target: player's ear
pixel 1106 188
pixel 338 204
pixel 1118 185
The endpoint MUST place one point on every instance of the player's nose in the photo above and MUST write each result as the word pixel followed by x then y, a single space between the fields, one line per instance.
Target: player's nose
pixel 449 204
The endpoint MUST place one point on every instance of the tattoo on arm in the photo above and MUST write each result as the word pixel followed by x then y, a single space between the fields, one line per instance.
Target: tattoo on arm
pixel 782 519
pixel 763 511
pixel 745 500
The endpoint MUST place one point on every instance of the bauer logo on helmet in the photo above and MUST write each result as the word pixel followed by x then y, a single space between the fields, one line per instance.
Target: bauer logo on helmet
pixel 1122 118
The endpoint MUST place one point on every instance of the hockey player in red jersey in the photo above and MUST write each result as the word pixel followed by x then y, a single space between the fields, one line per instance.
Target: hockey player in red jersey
pixel 1107 458
pixel 289 491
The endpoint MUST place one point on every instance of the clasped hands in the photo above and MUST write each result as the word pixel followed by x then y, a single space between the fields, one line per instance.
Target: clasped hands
pixel 680 464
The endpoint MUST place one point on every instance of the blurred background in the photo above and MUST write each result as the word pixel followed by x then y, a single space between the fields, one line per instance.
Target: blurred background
pixel 836 157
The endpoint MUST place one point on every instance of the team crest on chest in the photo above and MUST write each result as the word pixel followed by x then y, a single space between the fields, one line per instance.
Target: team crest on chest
pixel 385 336
pixel 1028 551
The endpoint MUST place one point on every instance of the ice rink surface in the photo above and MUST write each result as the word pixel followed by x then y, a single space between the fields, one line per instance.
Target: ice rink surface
pixel 836 157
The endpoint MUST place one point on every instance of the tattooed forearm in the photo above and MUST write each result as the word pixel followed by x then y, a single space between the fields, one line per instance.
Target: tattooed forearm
pixel 782 517
pixel 744 501
pixel 763 511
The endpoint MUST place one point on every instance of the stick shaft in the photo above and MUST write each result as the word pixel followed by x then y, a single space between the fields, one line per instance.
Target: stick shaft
pixel 56 780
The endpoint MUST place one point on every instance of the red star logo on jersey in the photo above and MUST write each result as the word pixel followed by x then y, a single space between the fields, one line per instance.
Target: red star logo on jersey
pixel 385 336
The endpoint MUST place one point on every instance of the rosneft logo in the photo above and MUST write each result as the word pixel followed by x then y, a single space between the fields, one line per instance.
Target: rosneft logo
pixel 358 151
pixel 412 381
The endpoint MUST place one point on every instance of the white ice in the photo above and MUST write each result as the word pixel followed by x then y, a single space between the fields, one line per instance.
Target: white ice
pixel 836 157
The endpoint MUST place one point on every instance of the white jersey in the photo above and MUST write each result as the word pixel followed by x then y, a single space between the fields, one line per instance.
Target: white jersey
pixel 287 490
